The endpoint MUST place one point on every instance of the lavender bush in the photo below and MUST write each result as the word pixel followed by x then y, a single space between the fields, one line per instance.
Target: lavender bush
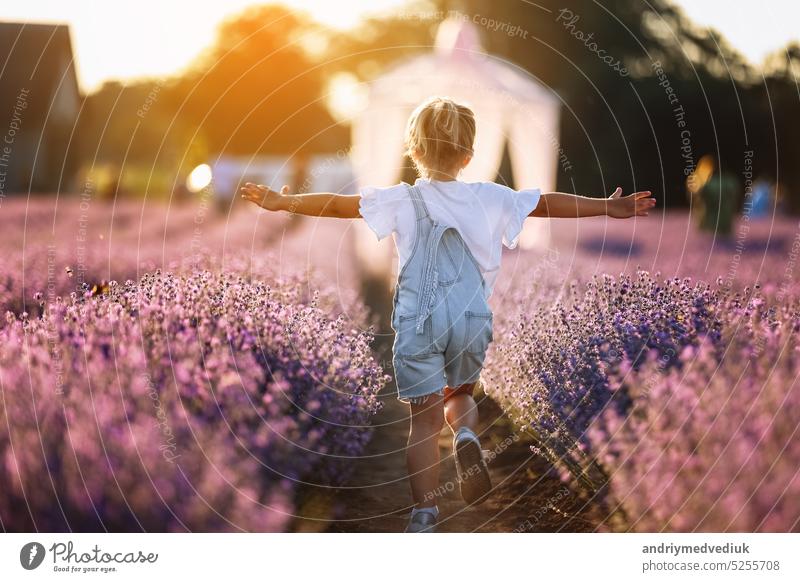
pixel 179 402
pixel 712 445
pixel 553 368
pixel 682 394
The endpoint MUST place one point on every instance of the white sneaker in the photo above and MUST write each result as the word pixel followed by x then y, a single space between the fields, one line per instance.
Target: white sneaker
pixel 422 522
pixel 473 473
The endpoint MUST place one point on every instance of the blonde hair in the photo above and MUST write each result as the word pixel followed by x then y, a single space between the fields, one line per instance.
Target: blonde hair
pixel 439 134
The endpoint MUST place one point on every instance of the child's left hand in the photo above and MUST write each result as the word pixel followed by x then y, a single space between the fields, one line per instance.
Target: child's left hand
pixel 636 204
pixel 263 196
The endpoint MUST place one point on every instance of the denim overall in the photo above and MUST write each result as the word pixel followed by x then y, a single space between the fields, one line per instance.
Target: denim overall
pixel 442 321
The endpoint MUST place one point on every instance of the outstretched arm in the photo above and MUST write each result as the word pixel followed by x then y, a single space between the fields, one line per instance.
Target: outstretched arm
pixel 316 204
pixel 562 205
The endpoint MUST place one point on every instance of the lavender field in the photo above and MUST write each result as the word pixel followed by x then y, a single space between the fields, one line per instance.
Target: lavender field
pixel 185 370
pixel 658 368
pixel 160 372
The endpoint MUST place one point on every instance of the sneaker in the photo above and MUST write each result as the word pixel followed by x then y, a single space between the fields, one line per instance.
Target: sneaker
pixel 422 522
pixel 473 473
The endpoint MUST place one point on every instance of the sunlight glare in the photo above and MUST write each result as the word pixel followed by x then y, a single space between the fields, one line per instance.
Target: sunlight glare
pixel 347 96
pixel 199 179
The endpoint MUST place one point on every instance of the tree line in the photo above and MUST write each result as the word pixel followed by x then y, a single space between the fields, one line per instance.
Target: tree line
pixel 645 91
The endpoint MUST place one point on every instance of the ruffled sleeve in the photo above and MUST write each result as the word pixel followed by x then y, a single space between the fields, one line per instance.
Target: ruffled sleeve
pixel 519 207
pixel 378 207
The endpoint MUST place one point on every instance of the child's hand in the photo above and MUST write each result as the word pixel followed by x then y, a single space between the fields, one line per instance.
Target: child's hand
pixel 636 204
pixel 263 196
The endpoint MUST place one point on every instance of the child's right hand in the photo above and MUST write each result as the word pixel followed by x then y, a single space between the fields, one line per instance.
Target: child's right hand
pixel 263 196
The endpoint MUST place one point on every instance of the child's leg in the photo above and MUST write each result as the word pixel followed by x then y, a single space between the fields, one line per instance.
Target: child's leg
pixel 461 413
pixel 422 454
pixel 460 408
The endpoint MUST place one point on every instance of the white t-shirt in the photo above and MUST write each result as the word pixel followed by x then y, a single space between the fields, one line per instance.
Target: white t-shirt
pixel 487 215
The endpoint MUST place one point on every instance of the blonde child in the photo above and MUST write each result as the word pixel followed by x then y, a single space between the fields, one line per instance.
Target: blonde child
pixel 449 236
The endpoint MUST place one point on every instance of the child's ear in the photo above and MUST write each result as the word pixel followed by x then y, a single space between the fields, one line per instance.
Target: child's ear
pixel 467 160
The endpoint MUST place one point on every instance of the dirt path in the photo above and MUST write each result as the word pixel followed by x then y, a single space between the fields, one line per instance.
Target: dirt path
pixel 528 496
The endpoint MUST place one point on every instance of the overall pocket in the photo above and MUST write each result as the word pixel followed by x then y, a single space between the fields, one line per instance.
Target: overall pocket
pixel 478 331
pixel 406 341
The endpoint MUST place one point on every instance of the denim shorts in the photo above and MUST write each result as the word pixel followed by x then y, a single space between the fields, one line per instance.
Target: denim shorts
pixel 450 351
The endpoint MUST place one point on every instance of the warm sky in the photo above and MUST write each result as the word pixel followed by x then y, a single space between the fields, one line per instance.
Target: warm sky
pixel 129 39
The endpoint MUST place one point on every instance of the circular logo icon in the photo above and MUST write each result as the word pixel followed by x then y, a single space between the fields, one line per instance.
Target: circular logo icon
pixel 31 555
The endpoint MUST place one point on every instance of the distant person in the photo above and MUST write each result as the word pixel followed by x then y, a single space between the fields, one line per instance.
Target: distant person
pixel 762 203
pixel 449 235
pixel 111 189
pixel 713 196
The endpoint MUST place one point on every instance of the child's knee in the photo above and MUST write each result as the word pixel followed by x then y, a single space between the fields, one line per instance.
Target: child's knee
pixel 459 400
pixel 429 424
pixel 428 417
pixel 463 393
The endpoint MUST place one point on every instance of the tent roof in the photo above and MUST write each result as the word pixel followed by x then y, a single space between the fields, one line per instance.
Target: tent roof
pixel 458 64
pixel 511 108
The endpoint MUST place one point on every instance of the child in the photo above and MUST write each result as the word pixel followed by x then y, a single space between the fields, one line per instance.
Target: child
pixel 449 236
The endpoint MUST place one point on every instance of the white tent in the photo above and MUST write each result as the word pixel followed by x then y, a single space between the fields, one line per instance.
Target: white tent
pixel 509 105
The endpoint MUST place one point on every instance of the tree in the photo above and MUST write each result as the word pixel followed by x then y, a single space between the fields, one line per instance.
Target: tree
pixel 258 90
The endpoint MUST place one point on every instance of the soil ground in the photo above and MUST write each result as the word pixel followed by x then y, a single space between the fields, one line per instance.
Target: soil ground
pixel 528 495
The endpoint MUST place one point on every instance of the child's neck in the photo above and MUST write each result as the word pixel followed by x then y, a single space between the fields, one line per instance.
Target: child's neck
pixel 441 176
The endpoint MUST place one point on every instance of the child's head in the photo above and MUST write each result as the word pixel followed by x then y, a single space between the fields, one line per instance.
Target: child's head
pixel 439 136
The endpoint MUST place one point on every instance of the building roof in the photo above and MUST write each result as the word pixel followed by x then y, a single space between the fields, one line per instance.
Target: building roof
pixel 37 57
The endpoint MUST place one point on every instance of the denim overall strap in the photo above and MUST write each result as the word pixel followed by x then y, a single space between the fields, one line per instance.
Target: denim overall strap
pixel 430 274
pixel 419 204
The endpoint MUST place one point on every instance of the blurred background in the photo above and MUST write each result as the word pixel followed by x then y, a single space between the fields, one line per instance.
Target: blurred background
pixel 134 98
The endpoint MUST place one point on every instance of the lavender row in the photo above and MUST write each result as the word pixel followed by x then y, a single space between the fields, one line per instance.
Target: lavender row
pixel 712 445
pixel 679 392
pixel 198 402
pixel 551 368
pixel 60 245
